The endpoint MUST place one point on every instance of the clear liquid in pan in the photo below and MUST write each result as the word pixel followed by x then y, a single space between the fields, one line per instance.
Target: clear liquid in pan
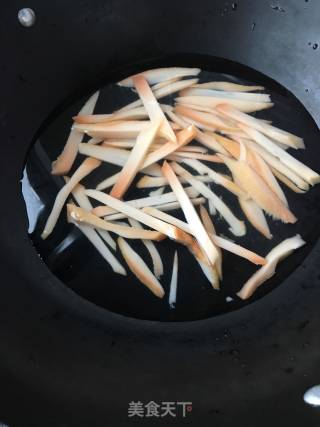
pixel 79 266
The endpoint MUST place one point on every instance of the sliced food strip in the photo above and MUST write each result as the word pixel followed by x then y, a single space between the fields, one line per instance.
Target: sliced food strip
pixel 238 250
pixel 262 168
pixel 65 160
pixel 108 182
pixel 94 238
pixel 140 269
pixel 129 143
pixel 83 201
pixel 258 190
pixel 208 225
pixel 276 164
pixel 166 107
pixel 183 138
pixel 82 216
pixel 212 208
pixel 208 270
pixel 157 192
pixel 216 177
pixel 256 161
pixel 191 215
pixel 242 152
pixel 157 213
pixel 151 182
pixel 204 138
pixel 174 282
pixel 229 124
pixel 205 118
pixel 125 144
pixel 199 156
pixel 277 134
pixel 152 107
pixel 193 149
pixel 235 132
pixel 209 140
pixel 300 168
pixel 86 167
pixel 281 251
pixel 155 256
pixel 255 216
pixel 175 205
pixel 146 201
pixel 177 119
pixel 253 97
pixel 158 75
pixel 164 83
pixel 197 124
pixel 161 92
pixel 237 227
pixel 115 156
pixel 134 114
pixel 217 240
pixel 166 207
pixel 94 141
pixel 212 102
pixel 228 87
pixel 211 274
pixel 169 89
pixel 79 195
pixel 229 145
pixel 116 130
pixel 135 159
pixel 287 181
pixel 92 118
pixel 170 231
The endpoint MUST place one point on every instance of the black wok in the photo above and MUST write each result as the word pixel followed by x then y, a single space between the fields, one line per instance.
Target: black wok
pixel 68 362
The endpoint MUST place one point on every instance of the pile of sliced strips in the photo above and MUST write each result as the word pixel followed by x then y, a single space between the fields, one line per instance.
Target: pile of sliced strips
pixel 208 123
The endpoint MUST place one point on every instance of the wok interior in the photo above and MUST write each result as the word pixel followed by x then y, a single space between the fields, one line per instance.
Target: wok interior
pixel 77 264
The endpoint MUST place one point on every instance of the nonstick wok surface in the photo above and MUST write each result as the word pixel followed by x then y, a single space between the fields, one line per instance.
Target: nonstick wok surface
pixel 65 361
